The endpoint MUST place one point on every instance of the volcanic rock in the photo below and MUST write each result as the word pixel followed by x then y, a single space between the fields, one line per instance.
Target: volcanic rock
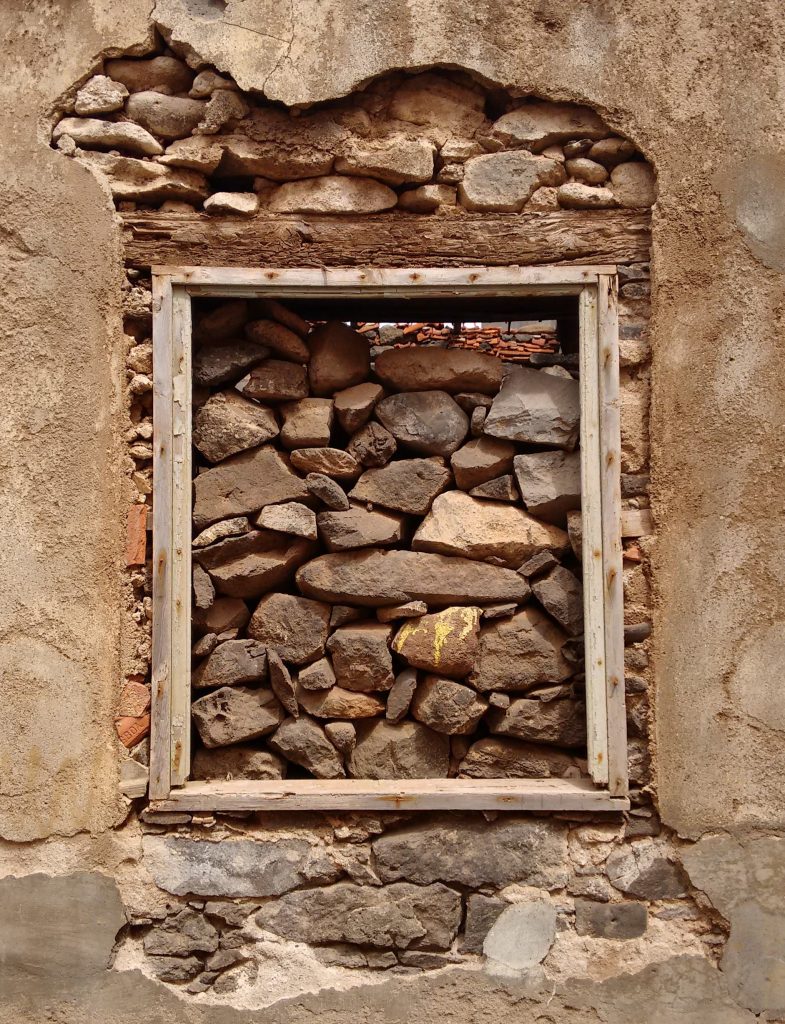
pixel 220 531
pixel 502 488
pixel 447 707
pixel 340 358
pixel 254 563
pixel 237 763
pixel 496 758
pixel 302 741
pixel 282 685
pixel 332 462
pixel 445 642
pixel 409 610
pixel 235 714
pixel 276 380
pixel 225 613
pixel 407 750
pixel 453 370
pixel 358 528
pixel 373 578
pixel 561 722
pixel 550 484
pixel 286 343
pixel 220 363
pixel 400 696
pixel 537 408
pixel 232 663
pixel 429 422
pixel 560 592
pixel 307 423
pixel 291 517
pixel 203 589
pixel 227 423
pixel 223 322
pixel 342 735
pixel 407 485
pixel 353 406
pixel 361 656
pixel 294 627
pixel 339 703
pixel 481 460
pixel 520 653
pixel 245 483
pixel 372 445
pixel 318 676
pixel 461 525
pixel 327 491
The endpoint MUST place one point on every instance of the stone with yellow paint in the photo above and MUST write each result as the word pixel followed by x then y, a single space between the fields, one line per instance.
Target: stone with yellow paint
pixel 445 642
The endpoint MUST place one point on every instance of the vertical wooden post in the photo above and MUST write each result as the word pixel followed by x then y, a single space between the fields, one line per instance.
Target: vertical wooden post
pixel 610 432
pixel 591 516
pixel 160 740
pixel 181 536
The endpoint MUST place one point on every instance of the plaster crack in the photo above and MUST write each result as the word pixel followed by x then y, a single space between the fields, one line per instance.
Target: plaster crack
pixel 282 60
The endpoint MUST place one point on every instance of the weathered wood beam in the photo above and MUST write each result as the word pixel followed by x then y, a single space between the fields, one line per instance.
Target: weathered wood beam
pixel 389 240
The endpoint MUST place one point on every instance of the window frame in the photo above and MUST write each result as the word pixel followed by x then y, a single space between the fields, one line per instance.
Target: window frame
pixel 600 446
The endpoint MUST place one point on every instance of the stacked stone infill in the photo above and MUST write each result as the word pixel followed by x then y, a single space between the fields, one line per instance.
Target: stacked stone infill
pixel 132 716
pixel 164 135
pixel 403 895
pixel 371 596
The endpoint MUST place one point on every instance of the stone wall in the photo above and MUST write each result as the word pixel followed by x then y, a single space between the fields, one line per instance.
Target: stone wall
pixel 717 754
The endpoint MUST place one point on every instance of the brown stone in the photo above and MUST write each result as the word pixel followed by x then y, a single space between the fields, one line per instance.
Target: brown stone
pixel 502 488
pixel 395 159
pixel 471 400
pixel 332 462
pixel 131 179
pixel 503 182
pixel 361 656
pixel 134 700
pixel 342 613
pixel 237 763
pixel 612 151
pixel 407 485
pixel 291 517
pixel 575 533
pixel 266 145
pixel 168 117
pixel 302 741
pixel 560 593
pixel 537 124
pixel 327 491
pixel 539 563
pixel 223 362
pixel 372 445
pixel 227 423
pixel 318 676
pixel 495 758
pixel 634 185
pixel 235 714
pixel 158 72
pixel 220 531
pixel 279 339
pixel 447 707
pixel 232 663
pixel 481 460
pixel 477 421
pixel 333 194
pixel 499 611
pixel 407 750
pixel 574 195
pixel 274 310
pixel 225 613
pixel 426 198
pixel 95 133
pixel 520 653
pixel 374 578
pixel 245 483
pixel 560 722
pixel 550 484
pixel 452 370
pixel 409 610
pixel 537 408
pixel 445 642
pixel 400 696
pixel 427 422
pixel 294 627
pixel 342 735
pixel 340 358
pixel 223 322
pixel 255 563
pixel 275 380
pixel 338 702
pixel 358 528
pixel 307 423
pixel 282 685
pixel 353 406
pixel 458 524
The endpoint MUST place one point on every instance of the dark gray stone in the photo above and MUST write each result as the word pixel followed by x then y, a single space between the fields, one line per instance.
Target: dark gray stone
pixel 610 920
pixel 481 914
pixel 181 934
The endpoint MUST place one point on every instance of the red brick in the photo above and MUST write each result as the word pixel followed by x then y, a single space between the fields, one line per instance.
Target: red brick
pixel 132 730
pixel 136 535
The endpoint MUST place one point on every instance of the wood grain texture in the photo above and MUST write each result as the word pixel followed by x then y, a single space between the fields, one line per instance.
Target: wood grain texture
pixel 394 240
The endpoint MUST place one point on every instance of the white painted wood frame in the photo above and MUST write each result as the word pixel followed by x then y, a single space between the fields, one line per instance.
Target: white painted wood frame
pixel 595 289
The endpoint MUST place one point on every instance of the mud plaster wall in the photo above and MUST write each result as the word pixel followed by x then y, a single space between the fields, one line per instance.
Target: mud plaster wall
pixel 712 128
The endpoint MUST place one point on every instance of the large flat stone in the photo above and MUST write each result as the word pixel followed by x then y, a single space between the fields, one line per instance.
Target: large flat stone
pixel 339 703
pixel 266 146
pixel 395 917
pixel 237 762
pixel 294 627
pixel 245 483
pixel 496 758
pixel 445 642
pixel 452 370
pixel 253 564
pixel 560 722
pixel 537 408
pixel 276 380
pixel 374 578
pixel 227 423
pixel 427 422
pixel 550 484
pixel 235 715
pixel 458 524
pixel 503 182
pixel 358 528
pixel 231 867
pixel 537 125
pixel 466 851
pixel 93 133
pixel 144 181
pixel 521 652
pixel 406 485
pixel 407 750
pixel 521 936
pixel 333 193
pixel 395 160
pixel 340 357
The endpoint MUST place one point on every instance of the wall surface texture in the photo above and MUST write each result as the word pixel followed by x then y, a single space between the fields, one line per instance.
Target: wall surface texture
pixel 698 87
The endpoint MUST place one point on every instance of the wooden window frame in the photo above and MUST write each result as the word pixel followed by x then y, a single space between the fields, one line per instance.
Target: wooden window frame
pixel 595 289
